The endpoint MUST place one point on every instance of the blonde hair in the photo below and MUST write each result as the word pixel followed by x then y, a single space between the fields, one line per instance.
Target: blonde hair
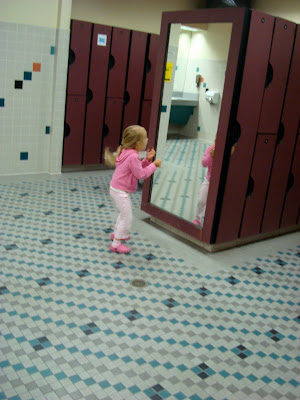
pixel 131 135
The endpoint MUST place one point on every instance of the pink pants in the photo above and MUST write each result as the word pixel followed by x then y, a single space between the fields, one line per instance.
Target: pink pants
pixel 124 220
pixel 202 200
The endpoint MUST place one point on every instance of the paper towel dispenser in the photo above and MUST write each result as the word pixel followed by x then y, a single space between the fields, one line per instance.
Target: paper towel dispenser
pixel 212 97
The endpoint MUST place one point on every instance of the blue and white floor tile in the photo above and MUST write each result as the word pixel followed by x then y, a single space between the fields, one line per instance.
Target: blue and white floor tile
pixel 206 326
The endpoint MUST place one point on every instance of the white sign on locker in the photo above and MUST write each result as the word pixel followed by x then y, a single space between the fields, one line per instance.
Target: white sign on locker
pixel 101 40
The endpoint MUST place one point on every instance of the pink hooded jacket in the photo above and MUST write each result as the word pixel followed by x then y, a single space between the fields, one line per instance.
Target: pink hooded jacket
pixel 130 168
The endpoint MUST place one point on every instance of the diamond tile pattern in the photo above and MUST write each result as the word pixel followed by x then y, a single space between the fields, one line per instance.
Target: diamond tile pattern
pixel 73 327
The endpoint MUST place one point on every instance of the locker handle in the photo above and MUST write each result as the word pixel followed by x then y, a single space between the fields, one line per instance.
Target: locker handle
pixel 290 182
pixel 148 66
pixel 269 76
pixel 250 187
pixel 235 133
pixel 71 56
pixel 111 62
pixel 67 130
pixel 280 132
pixel 105 130
pixel 89 95
pixel 126 97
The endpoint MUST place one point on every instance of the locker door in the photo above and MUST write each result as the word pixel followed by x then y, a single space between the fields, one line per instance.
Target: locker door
pixel 146 113
pixel 150 66
pixel 135 77
pixel 251 97
pixel 118 63
pixel 113 124
pixel 258 184
pixel 96 94
pixel 79 56
pixel 278 71
pixel 74 127
pixel 290 215
pixel 285 148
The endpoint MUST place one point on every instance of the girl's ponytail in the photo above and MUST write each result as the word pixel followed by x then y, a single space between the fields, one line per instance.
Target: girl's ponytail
pixel 110 158
pixel 131 135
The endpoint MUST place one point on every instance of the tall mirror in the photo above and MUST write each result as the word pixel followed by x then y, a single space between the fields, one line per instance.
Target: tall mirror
pixel 196 63
pixel 196 93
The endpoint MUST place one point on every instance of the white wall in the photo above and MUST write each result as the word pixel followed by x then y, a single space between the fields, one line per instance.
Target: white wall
pixel 140 15
pixel 34 42
pixel 286 9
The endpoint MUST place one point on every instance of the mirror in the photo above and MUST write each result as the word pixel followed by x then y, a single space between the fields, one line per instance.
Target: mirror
pixel 194 76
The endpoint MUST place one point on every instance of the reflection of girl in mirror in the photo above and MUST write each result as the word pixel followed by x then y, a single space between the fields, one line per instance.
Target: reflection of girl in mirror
pixel 129 168
pixel 207 162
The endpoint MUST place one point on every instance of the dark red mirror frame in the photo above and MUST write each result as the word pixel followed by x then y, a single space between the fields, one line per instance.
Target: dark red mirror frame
pixel 239 17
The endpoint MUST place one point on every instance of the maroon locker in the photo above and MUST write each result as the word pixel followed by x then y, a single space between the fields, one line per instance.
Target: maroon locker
pixel 100 51
pixel 150 66
pixel 135 76
pixel 113 124
pixel 146 113
pixel 79 57
pixel 279 64
pixel 290 215
pixel 74 127
pixel 118 63
pixel 251 96
pixel 285 148
pixel 260 173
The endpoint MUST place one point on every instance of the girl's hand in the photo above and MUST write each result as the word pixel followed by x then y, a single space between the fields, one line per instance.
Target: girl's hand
pixel 157 163
pixel 212 152
pixel 150 154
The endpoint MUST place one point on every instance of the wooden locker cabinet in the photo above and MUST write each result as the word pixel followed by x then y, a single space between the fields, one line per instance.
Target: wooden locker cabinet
pixel 100 51
pixel 146 113
pixel 279 65
pixel 135 77
pixel 251 97
pixel 100 71
pixel 150 66
pixel 284 150
pixel 79 57
pixel 113 124
pixel 291 210
pixel 118 63
pixel 74 127
pixel 254 191
pixel 260 173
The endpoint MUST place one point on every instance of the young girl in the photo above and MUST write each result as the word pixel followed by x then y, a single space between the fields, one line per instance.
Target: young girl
pixel 129 168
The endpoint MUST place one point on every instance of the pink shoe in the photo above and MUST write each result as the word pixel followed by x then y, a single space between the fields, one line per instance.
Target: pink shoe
pixel 122 249
pixel 112 236
pixel 196 222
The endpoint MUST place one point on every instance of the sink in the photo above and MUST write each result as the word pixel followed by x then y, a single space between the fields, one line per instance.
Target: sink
pixel 185 99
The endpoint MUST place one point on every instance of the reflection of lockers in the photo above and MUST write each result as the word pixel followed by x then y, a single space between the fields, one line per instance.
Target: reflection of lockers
pixel 262 185
pixel 111 75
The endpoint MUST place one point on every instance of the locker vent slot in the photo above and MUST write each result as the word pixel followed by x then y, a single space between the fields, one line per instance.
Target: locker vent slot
pixel 280 133
pixel 250 187
pixel 269 76
pixel 66 130
pixel 290 182
pixel 71 56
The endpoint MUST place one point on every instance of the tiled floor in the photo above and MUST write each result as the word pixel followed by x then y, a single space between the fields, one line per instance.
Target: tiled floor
pixel 206 326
